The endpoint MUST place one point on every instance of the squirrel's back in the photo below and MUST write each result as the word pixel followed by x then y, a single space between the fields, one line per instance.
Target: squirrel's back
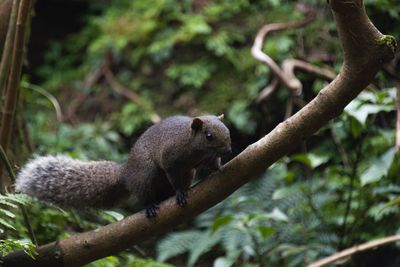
pixel 68 182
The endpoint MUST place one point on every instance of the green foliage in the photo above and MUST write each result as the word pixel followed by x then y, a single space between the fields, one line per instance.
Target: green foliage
pixel 131 118
pixel 87 141
pixel 368 103
pixel 10 245
pixel 379 168
pixel 9 205
pixel 126 260
pixel 160 49
pixel 194 74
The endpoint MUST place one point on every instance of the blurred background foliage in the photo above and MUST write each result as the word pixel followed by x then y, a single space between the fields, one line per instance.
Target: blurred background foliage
pixel 193 57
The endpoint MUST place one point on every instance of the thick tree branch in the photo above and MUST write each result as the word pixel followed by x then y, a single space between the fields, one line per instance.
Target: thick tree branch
pixel 365 50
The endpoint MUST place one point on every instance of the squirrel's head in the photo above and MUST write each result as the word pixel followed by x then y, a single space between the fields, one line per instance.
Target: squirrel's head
pixel 211 134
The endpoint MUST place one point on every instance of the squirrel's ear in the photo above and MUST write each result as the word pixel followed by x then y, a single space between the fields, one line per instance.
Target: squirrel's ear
pixel 221 117
pixel 197 124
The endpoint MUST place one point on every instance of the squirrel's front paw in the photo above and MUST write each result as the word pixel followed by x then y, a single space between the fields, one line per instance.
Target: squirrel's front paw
pixel 151 210
pixel 181 198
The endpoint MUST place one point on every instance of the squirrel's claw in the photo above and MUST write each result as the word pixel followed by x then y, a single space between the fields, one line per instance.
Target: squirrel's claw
pixel 181 198
pixel 151 210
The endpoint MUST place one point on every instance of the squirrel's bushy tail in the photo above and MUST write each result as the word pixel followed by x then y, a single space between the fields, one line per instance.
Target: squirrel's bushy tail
pixel 71 183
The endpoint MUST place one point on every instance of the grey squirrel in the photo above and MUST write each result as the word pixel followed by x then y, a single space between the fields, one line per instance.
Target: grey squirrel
pixel 162 163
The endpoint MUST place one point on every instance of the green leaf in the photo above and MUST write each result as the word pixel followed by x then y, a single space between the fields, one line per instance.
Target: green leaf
pixel 6 224
pixel 379 168
pixel 10 245
pixel 240 116
pixel 8 203
pixel 193 74
pixel 7 213
pixel 116 215
pixel 266 231
pixel 394 202
pixel 221 221
pixel 361 111
pixel 312 160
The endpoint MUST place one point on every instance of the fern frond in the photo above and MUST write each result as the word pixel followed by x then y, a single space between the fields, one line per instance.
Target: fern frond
pixel 7 213
pixel 6 224
pixel 177 243
pixel 206 242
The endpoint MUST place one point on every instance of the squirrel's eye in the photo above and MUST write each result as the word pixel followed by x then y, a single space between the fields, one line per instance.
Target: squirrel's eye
pixel 209 136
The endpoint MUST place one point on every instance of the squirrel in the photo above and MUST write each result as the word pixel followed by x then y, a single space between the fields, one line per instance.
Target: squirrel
pixel 161 163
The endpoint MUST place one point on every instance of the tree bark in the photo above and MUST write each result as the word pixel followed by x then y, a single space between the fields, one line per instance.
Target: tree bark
pixel 5 11
pixel 12 88
pixel 365 51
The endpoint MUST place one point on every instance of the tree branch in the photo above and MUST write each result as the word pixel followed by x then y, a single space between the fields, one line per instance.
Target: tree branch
pixel 288 79
pixel 12 92
pixel 365 50
pixel 350 251
pixel 129 94
pixel 5 11
pixel 9 35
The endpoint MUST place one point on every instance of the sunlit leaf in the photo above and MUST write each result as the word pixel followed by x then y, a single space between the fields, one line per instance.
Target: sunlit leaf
pixel 378 168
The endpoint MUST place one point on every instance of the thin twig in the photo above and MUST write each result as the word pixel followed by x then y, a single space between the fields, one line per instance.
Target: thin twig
pixel 7 163
pixel 398 117
pixel 290 65
pixel 339 146
pixel 267 91
pixel 288 80
pixel 350 251
pixel 119 88
pixel 350 197
pixel 289 107
pixel 23 128
pixel 49 96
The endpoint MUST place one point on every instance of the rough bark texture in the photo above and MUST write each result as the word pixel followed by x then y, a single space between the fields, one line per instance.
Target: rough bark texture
pixel 365 50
